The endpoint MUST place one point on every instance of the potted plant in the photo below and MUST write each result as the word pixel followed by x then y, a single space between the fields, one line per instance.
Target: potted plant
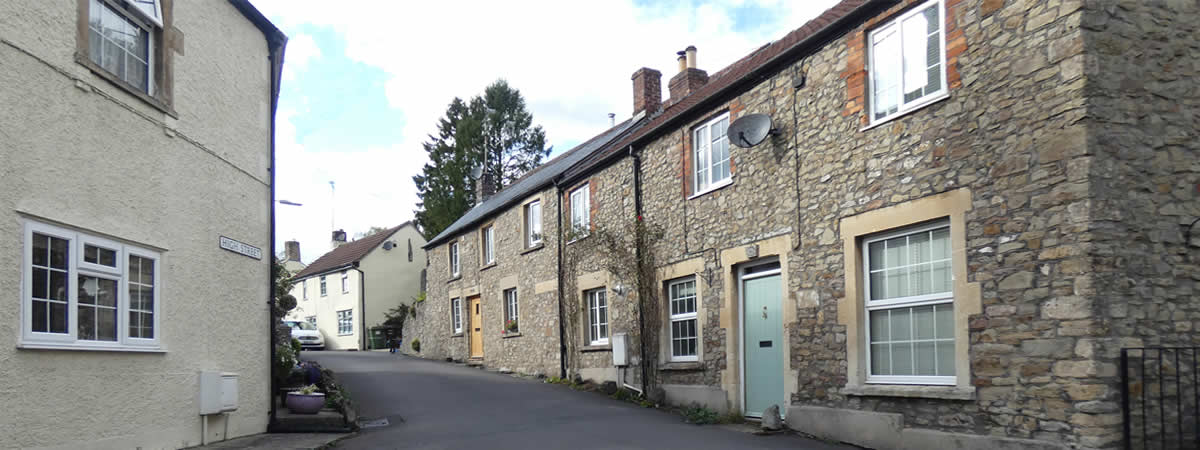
pixel 510 326
pixel 306 400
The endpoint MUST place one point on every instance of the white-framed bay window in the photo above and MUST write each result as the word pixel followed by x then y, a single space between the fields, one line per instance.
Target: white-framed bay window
pixel 684 330
pixel 456 323
pixel 81 291
pixel 910 306
pixel 710 155
pixel 907 60
pixel 597 311
pixel 581 211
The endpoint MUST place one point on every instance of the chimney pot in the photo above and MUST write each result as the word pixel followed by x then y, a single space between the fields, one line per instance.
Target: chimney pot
pixel 339 238
pixel 647 91
pixel 683 63
pixel 691 56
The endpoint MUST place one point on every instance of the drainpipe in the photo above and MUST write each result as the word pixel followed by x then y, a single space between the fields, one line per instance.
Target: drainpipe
pixel 637 248
pixel 275 59
pixel 362 306
pixel 562 338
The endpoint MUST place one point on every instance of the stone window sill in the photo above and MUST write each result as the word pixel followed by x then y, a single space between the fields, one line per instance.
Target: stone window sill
pixel 681 366
pixel 715 187
pixel 89 348
pixel 457 335
pixel 596 348
pixel 154 102
pixel 487 266
pixel 454 278
pixel 535 248
pixel 510 335
pixel 916 108
pixel 894 390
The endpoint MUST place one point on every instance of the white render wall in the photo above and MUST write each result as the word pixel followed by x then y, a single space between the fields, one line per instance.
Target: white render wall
pixel 326 308
pixel 391 278
pixel 113 166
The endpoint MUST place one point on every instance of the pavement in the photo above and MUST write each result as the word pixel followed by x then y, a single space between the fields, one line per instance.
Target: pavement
pixel 291 441
pixel 407 402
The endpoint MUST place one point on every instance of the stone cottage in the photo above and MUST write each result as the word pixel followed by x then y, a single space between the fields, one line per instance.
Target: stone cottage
pixel 136 205
pixel 963 212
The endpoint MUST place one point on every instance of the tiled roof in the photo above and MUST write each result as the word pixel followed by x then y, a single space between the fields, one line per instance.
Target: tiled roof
pixel 348 253
pixel 744 70
pixel 534 180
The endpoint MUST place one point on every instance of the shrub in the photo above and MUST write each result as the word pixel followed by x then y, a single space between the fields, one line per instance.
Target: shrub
pixel 296 346
pixel 700 415
pixel 416 345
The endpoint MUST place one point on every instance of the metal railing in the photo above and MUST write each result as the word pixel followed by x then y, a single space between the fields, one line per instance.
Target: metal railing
pixel 1160 397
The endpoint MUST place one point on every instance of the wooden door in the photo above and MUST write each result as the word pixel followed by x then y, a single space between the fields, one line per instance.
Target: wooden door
pixel 476 327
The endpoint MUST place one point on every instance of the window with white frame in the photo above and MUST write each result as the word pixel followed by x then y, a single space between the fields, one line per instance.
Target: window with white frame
pixel 684 334
pixel 87 292
pixel 304 288
pixel 345 281
pixel 311 319
pixel 597 304
pixel 345 320
pixel 456 315
pixel 710 162
pixel 323 285
pixel 581 210
pixel 910 306
pixel 453 258
pixel 907 61
pixel 488 236
pixel 511 314
pixel 533 223
pixel 122 39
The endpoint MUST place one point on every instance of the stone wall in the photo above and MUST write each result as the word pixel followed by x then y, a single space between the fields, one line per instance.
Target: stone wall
pixel 532 271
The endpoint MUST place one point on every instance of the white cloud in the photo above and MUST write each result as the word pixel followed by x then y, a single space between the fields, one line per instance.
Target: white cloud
pixel 571 60
pixel 301 49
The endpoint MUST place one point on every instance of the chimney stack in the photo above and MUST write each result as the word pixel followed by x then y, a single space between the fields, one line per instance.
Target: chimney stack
pixel 339 238
pixel 292 250
pixel 485 186
pixel 647 91
pixel 612 120
pixel 689 79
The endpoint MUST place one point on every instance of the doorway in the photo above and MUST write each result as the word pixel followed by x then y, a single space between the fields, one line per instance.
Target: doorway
pixel 476 327
pixel 761 291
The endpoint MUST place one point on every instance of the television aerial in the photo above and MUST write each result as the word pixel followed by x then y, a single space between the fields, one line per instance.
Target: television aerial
pixel 751 130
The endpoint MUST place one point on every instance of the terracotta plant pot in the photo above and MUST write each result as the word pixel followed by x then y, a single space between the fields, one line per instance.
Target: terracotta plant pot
pixel 299 403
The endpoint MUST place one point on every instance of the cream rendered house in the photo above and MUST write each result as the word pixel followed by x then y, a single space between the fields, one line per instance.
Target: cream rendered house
pixel 135 221
pixel 347 291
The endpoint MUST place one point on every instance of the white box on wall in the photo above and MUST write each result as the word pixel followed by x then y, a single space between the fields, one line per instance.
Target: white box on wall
pixel 620 356
pixel 218 392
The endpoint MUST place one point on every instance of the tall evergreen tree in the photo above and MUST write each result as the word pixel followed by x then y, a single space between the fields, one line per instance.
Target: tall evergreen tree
pixel 493 130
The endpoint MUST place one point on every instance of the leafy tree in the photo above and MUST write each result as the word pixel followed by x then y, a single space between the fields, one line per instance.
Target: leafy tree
pixel 493 130
pixel 370 231
pixel 284 301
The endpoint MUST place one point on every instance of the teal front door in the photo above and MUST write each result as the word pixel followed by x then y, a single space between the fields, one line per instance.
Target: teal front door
pixel 763 331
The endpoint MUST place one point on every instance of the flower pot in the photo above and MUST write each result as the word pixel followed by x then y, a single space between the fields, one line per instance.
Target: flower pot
pixel 299 403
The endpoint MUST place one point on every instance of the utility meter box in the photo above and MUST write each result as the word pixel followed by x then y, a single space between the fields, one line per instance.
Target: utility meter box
pixel 620 355
pixel 218 392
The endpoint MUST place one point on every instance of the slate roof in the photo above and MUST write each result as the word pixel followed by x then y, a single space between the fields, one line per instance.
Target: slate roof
pixel 347 253
pixel 745 71
pixel 533 181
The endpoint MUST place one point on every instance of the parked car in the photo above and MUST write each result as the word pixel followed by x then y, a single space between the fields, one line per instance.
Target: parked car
pixel 309 336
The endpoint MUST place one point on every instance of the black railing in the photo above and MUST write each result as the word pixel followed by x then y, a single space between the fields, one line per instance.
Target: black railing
pixel 1160 397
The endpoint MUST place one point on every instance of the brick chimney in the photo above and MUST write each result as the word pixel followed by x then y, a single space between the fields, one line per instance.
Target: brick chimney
pixel 485 186
pixel 339 238
pixel 292 250
pixel 647 91
pixel 689 79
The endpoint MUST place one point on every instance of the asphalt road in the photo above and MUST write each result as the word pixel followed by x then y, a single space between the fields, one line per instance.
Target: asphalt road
pixel 438 405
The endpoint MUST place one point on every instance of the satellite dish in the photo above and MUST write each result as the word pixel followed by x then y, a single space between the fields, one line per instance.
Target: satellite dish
pixel 750 130
pixel 388 245
pixel 476 172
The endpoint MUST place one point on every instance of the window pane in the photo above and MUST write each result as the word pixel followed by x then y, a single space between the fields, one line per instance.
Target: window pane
pixel 900 324
pixel 89 254
pixel 923 317
pixel 58 285
pixel 41 316
pixel 941 278
pixel 41 249
pixel 58 318
pixel 106 324
pixel 879 326
pixel 59 253
pixel 940 243
pixel 925 359
pixel 875 255
pixel 136 72
pixel 148 7
pixel 945 357
pixel 87 323
pixel 881 359
pixel 919 248
pixel 107 294
pixel 40 282
pixel 878 286
pixel 944 315
pixel 884 74
pixel 87 290
pixel 902 358
pixel 897 283
pixel 914 30
pixel 895 253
